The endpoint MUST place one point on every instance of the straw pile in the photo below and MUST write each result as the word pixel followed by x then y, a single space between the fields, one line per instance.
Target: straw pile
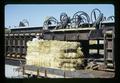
pixel 54 54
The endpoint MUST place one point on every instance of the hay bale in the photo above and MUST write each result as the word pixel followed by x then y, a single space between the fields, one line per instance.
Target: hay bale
pixel 68 65
pixel 73 61
pixel 64 44
pixel 70 55
pixel 49 53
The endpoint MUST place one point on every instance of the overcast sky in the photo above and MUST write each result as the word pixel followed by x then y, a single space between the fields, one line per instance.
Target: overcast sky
pixel 36 14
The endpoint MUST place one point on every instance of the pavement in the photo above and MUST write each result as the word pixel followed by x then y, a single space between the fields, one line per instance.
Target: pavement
pixel 10 71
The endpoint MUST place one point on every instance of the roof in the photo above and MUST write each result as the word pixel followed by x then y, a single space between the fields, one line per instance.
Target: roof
pixel 26 27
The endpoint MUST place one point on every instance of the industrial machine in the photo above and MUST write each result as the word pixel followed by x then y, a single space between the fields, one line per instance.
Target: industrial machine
pixel 80 28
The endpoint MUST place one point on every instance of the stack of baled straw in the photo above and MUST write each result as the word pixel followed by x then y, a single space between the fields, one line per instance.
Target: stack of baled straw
pixel 54 54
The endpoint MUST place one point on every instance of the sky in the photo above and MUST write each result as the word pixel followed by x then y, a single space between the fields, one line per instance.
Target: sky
pixel 36 13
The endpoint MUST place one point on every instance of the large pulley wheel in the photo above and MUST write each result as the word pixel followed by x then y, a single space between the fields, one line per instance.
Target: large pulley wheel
pixel 80 18
pixel 96 17
pixel 64 20
pixel 95 14
pixel 111 18
pixel 24 23
pixel 50 21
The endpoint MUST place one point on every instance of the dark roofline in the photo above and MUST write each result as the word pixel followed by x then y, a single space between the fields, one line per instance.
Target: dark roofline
pixel 26 28
pixel 39 27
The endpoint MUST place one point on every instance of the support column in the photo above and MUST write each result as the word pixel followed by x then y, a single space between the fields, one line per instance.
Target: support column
pixel 98 50
pixel 105 51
